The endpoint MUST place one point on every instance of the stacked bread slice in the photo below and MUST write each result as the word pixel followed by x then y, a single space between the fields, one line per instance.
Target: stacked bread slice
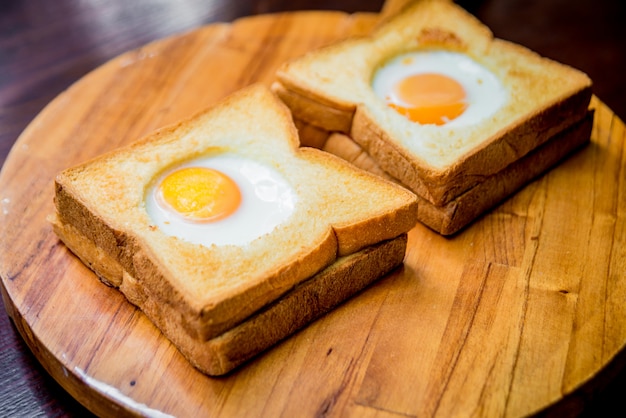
pixel 223 304
pixel 458 171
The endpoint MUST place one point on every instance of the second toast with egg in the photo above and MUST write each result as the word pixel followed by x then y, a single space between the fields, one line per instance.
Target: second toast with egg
pixel 515 100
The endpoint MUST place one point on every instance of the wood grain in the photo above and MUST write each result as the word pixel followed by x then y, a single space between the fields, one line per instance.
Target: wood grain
pixel 516 313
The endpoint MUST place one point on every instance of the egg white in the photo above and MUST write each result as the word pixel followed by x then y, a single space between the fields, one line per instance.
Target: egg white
pixel 267 200
pixel 485 93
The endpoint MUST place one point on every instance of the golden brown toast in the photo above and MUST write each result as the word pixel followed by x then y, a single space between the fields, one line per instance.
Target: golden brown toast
pixel 207 289
pixel 332 89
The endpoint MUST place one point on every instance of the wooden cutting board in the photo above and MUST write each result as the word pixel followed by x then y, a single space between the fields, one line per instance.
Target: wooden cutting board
pixel 523 309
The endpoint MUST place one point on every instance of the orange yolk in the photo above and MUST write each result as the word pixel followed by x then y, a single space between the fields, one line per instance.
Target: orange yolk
pixel 431 98
pixel 200 194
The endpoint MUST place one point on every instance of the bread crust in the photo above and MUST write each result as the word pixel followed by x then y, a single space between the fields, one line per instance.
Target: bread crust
pixel 220 354
pixel 315 110
pixel 453 216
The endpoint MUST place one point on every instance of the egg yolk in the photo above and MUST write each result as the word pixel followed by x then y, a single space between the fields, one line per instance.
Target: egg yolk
pixel 200 194
pixel 431 98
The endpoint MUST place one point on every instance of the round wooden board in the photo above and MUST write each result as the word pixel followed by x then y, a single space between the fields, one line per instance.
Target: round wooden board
pixel 519 311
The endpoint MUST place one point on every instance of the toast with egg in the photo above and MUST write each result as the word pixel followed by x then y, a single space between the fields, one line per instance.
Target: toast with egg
pixel 224 295
pixel 502 102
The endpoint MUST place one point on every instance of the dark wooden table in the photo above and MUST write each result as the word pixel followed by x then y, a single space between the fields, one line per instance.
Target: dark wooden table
pixel 47 45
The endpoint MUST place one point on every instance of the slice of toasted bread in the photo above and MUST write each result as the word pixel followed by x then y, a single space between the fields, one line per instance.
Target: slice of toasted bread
pixel 331 88
pixel 339 210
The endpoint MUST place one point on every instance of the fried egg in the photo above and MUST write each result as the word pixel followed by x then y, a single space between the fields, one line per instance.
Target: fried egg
pixel 439 87
pixel 219 199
